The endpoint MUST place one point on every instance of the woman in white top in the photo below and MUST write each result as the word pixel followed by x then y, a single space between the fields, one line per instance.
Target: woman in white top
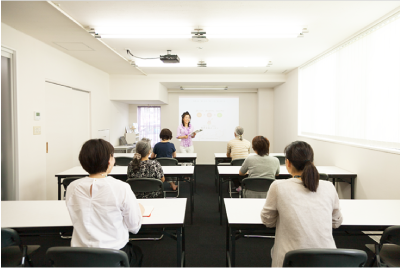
pixel 303 209
pixel 103 210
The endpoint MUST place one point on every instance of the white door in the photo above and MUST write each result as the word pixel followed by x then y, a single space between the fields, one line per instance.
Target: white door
pixel 67 127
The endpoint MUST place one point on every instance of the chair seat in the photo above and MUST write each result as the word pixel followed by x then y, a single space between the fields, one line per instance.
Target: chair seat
pixel 389 254
pixel 12 256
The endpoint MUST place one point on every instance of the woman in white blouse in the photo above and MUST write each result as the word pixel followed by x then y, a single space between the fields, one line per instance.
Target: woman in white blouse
pixel 303 209
pixel 103 210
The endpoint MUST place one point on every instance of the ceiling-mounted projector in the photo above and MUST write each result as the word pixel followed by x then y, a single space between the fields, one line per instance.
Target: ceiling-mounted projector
pixel 169 58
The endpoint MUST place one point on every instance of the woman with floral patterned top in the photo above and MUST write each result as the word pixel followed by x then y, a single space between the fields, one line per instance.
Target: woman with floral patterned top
pixel 142 167
pixel 183 134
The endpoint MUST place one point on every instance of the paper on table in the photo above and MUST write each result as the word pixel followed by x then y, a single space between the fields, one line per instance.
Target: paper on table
pixel 147 211
pixel 197 131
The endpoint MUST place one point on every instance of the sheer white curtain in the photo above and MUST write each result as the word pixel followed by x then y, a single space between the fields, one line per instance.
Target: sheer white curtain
pixel 352 93
pixel 149 123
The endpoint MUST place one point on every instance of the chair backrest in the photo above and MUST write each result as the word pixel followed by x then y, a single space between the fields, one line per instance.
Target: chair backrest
pixel 237 162
pixel 257 184
pixel 390 235
pixel 122 161
pixel 122 140
pixel 9 237
pixel 86 257
pixel 145 184
pixel 323 176
pixel 67 181
pixel 166 161
pixel 281 159
pixel 325 258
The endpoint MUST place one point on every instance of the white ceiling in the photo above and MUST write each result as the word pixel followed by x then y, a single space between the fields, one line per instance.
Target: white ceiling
pixel 329 22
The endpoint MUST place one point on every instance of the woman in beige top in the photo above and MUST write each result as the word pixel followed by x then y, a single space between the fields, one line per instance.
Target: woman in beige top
pixel 303 209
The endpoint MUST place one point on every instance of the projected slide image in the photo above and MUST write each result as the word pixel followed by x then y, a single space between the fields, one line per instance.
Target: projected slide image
pixel 218 117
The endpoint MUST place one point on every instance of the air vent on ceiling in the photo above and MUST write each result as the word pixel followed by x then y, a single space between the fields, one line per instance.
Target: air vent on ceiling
pixel 74 46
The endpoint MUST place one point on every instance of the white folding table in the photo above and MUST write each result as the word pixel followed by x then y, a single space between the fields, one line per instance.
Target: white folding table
pixel 52 217
pixel 244 214
pixel 124 147
pixel 226 173
pixel 120 172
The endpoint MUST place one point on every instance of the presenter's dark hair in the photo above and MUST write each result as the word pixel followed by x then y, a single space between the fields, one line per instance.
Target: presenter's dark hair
pixel 183 116
pixel 301 155
pixel 165 134
pixel 261 145
pixel 95 154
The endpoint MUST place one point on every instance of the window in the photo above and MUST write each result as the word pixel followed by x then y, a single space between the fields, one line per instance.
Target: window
pixel 352 93
pixel 149 122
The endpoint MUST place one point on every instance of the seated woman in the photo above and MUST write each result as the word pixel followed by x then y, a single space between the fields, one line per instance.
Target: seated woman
pixel 260 165
pixel 142 167
pixel 238 148
pixel 303 209
pixel 103 210
pixel 165 149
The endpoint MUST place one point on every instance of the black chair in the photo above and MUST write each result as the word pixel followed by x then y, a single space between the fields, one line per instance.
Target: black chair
pixel 387 252
pixel 166 161
pixel 236 162
pixel 324 257
pixel 281 159
pixel 86 257
pixel 256 185
pixel 323 176
pixel 147 185
pixel 13 253
pixel 67 181
pixel 122 161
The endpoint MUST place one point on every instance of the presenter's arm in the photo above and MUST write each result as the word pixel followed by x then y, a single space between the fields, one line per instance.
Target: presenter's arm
pixel 183 137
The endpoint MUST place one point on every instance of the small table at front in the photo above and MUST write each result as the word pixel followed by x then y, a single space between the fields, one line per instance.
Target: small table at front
pixel 52 217
pixel 229 172
pixel 189 157
pixel 120 172
pixel 124 147
pixel 244 214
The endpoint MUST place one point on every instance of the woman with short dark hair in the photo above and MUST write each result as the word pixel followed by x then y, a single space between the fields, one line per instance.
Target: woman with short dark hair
pixel 260 165
pixel 303 209
pixel 103 210
pixel 183 133
pixel 142 167
pixel 165 148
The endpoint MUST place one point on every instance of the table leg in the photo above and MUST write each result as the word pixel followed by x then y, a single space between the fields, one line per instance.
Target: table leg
pixel 179 247
pixel 195 178
pixel 59 188
pixel 232 237
pixel 228 257
pixel 352 187
pixel 183 246
pixel 191 201
pixel 220 203
pixel 216 175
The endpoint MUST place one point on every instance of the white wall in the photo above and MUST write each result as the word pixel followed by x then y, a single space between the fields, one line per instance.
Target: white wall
pixel 377 176
pixel 265 113
pixel 248 119
pixel 37 62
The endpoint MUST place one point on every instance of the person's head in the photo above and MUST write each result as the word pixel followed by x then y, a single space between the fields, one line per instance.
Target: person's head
pixel 143 149
pixel 299 158
pixel 165 134
pixel 186 118
pixel 239 132
pixel 260 145
pixel 97 156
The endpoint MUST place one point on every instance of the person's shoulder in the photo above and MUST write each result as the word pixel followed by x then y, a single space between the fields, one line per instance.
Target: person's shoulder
pixel 327 185
pixel 114 181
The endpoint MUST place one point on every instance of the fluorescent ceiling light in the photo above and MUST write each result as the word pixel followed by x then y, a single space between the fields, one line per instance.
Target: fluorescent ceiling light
pixel 205 88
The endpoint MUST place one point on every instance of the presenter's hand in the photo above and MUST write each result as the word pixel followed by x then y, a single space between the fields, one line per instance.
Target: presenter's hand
pixel 193 135
pixel 185 137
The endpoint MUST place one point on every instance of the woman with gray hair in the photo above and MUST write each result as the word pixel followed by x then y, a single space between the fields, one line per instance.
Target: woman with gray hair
pixel 142 167
pixel 238 148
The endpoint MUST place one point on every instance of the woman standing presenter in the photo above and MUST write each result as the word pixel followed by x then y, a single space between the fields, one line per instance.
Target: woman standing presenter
pixel 183 133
